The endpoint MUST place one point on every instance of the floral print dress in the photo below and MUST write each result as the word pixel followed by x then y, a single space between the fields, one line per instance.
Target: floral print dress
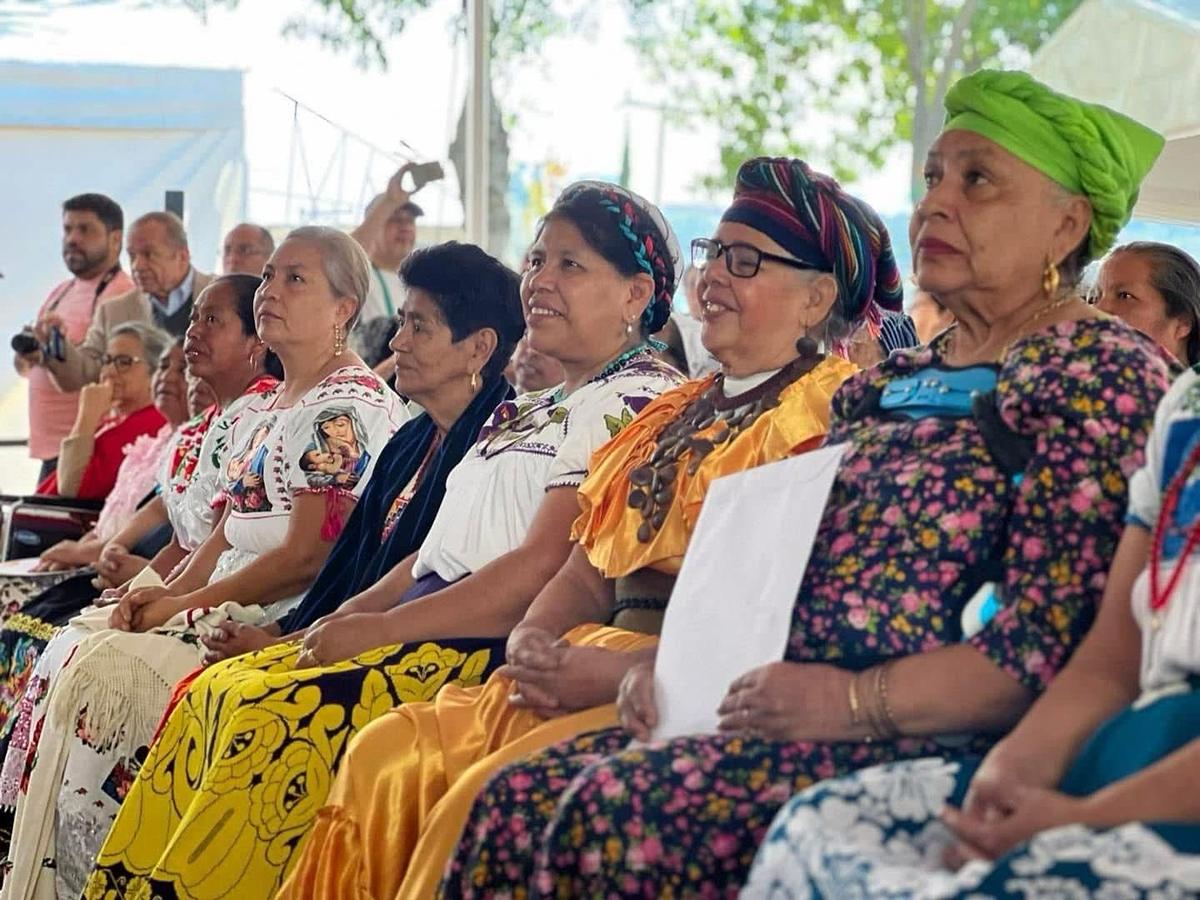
pixel 923 513
pixel 878 833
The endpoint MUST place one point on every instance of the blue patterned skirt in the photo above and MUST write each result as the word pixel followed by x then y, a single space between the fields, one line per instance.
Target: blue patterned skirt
pixel 877 833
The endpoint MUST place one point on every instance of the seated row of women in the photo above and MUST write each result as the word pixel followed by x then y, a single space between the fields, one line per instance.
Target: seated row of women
pixel 428 643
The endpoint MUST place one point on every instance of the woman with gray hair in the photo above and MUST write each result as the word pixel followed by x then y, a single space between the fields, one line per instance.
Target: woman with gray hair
pixel 285 495
pixel 113 412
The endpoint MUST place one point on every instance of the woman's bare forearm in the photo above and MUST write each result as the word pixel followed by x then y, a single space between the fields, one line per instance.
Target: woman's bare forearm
pixel 576 595
pixel 489 603
pixel 950 690
pixel 166 559
pixel 152 515
pixel 1163 792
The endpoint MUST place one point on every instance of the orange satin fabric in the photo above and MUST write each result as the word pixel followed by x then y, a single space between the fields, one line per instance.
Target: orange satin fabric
pixel 607 527
pixel 411 776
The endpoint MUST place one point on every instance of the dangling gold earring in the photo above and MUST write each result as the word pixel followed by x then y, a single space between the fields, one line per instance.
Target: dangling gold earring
pixel 628 329
pixel 474 382
pixel 1050 279
pixel 339 340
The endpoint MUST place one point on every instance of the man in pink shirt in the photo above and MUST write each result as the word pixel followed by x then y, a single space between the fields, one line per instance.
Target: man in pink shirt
pixel 91 248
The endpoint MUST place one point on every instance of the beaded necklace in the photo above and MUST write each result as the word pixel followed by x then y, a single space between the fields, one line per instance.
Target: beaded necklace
pixel 1160 596
pixel 611 369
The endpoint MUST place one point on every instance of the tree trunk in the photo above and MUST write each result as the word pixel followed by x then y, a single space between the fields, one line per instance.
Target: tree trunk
pixel 927 118
pixel 498 219
pixel 927 123
pixel 915 38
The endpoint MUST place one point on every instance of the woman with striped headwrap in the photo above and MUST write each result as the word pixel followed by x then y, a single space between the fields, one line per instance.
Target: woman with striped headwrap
pixel 992 463
pixel 1092 794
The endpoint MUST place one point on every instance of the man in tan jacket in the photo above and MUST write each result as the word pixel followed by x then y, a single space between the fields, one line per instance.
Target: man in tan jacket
pixel 167 284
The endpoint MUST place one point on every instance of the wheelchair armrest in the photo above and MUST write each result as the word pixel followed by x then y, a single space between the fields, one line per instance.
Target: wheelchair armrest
pixel 72 514
pixel 51 501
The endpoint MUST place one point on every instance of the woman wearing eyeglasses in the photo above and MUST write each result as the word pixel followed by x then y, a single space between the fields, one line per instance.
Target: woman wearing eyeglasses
pixel 600 276
pixel 113 413
pixel 111 669
pixel 777 290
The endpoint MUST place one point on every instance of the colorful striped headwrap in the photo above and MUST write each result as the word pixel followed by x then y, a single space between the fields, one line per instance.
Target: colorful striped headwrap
pixel 812 218
pixel 650 237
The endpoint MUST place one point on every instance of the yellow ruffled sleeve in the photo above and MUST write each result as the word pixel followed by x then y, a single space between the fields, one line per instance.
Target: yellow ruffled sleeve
pixel 607 527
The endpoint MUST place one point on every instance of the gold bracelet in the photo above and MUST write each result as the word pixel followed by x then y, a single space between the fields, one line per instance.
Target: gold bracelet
pixel 869 718
pixel 887 720
pixel 855 707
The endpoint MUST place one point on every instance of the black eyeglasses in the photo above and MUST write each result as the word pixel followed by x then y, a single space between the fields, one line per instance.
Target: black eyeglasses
pixel 743 260
pixel 122 362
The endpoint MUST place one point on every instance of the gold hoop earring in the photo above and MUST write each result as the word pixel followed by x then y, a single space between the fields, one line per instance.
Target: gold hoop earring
pixel 339 340
pixel 1050 279
pixel 474 382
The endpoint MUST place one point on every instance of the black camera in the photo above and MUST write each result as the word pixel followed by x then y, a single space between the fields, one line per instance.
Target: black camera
pixel 24 342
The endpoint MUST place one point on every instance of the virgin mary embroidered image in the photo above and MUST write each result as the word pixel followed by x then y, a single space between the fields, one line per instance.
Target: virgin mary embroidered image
pixel 246 471
pixel 337 456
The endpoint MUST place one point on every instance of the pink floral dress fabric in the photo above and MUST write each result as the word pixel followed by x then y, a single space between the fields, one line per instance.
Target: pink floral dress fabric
pixel 922 514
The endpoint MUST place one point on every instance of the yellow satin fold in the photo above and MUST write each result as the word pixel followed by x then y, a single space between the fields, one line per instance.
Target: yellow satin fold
pixel 607 527
pixel 408 780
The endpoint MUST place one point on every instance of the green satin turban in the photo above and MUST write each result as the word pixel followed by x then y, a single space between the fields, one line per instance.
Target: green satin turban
pixel 1087 148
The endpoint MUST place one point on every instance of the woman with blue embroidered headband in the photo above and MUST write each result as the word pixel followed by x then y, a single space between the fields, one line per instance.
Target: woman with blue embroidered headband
pixel 938 494
pixel 774 290
pixel 214 823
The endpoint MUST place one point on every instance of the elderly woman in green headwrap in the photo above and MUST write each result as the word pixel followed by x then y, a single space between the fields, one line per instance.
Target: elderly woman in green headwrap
pixel 960 556
pixel 1093 793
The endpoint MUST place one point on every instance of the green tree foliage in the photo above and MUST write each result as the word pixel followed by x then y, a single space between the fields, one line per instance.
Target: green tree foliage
pixel 362 27
pixel 840 82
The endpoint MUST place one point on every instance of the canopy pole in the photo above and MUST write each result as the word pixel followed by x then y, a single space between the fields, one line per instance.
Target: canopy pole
pixel 478 121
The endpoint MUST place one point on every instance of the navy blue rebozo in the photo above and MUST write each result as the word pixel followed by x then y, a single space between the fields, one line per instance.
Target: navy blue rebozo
pixel 357 559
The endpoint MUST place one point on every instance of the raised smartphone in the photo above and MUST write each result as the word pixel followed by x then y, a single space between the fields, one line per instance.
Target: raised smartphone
pixel 420 175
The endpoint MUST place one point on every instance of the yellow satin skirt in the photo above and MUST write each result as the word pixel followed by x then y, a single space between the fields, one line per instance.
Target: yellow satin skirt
pixel 231 786
pixel 407 782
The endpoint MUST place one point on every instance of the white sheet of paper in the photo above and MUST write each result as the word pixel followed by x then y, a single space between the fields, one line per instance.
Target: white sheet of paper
pixel 731 608
pixel 22 566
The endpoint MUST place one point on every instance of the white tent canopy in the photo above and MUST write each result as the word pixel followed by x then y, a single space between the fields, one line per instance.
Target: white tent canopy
pixel 130 132
pixel 1143 59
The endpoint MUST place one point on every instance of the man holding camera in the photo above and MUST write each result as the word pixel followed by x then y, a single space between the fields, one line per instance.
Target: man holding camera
pixel 91 249
pixel 167 284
